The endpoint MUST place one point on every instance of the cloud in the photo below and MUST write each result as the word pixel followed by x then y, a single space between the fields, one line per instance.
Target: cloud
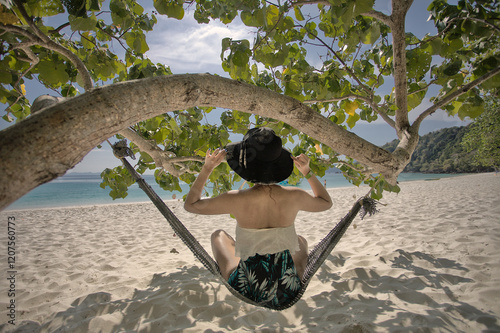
pixel 187 46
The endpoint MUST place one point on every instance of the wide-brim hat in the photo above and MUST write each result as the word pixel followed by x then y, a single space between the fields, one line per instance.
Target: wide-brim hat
pixel 260 157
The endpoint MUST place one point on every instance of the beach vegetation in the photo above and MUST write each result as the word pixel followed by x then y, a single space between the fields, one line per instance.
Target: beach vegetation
pixel 314 70
pixel 482 138
pixel 443 151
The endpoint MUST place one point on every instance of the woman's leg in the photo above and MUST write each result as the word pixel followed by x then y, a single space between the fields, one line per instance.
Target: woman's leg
pixel 223 249
pixel 300 257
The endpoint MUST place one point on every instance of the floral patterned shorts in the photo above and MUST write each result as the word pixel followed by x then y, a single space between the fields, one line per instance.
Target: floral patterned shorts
pixel 269 279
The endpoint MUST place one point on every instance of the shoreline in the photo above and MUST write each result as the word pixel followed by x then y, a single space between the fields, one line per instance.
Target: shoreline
pixel 117 202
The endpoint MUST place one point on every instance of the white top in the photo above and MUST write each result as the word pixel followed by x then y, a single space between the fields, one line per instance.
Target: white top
pixel 265 241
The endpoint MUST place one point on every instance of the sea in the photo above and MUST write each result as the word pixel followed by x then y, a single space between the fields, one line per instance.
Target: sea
pixel 82 189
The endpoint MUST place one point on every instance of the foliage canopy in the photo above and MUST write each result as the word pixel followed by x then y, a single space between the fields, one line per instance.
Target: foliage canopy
pixel 361 52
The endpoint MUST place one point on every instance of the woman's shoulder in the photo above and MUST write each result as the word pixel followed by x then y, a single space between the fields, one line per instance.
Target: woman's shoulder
pixel 273 190
pixel 292 189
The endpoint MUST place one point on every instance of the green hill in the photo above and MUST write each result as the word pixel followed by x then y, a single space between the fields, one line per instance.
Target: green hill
pixel 440 152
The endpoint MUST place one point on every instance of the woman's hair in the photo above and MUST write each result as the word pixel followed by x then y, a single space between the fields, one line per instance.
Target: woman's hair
pixel 270 189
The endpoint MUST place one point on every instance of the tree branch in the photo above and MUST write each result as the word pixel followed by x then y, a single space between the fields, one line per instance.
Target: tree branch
pixel 346 68
pixel 45 145
pixel 310 2
pixel 59 28
pixel 399 10
pixel 73 58
pixel 491 25
pixel 44 41
pixel 161 158
pixel 450 25
pixel 33 60
pixel 114 37
pixel 29 20
pixel 446 100
pixel 19 30
pixel 367 100
pixel 379 16
pixel 423 88
pixel 338 99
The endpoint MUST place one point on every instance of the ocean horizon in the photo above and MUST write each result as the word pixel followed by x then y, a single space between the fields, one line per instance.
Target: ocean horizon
pixel 82 189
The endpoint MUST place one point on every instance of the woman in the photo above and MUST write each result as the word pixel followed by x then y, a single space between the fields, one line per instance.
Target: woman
pixel 266 262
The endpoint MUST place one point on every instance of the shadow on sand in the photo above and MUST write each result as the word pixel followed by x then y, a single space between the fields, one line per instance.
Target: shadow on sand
pixel 363 302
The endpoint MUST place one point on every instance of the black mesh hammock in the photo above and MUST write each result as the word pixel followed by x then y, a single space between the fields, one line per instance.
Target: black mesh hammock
pixel 316 256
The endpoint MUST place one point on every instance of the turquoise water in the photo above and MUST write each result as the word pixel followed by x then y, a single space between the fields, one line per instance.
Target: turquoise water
pixel 83 189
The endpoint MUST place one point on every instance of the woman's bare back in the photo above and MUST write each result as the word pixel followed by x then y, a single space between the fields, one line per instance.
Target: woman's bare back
pixel 264 206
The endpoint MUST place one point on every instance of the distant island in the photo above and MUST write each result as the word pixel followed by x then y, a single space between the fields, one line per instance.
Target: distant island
pixel 441 152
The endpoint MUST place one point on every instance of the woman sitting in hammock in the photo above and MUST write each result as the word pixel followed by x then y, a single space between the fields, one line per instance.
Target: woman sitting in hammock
pixel 266 262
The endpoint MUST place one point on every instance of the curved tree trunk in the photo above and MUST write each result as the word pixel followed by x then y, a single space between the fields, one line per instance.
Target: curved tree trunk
pixel 47 144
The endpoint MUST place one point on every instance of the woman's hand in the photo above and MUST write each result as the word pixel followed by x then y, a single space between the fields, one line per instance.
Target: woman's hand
pixel 212 160
pixel 194 203
pixel 302 163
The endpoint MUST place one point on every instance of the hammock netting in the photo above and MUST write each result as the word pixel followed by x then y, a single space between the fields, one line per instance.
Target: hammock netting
pixel 316 256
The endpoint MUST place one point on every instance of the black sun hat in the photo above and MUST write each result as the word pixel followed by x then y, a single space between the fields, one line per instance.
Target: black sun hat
pixel 260 157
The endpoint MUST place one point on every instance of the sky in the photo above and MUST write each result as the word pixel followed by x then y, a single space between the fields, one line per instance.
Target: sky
pixel 189 47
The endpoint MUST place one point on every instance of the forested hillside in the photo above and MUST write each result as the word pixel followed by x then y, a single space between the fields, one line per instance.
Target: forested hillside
pixel 441 152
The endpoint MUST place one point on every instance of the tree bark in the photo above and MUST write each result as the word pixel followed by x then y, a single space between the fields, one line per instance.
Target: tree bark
pixel 161 158
pixel 47 144
pixel 397 25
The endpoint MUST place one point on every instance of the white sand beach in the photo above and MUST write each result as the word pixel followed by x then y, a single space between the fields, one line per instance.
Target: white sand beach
pixel 429 261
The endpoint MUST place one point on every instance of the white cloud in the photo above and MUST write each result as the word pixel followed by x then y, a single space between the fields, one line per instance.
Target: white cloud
pixel 188 47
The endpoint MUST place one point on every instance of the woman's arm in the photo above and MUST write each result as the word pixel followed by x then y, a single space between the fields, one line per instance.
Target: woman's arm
pixel 321 200
pixel 194 203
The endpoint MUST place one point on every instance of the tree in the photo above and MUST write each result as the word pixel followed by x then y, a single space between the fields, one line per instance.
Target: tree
pixel 160 113
pixel 482 137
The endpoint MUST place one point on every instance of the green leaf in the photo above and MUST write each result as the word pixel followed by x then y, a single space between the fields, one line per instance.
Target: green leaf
pixel 311 30
pixel 453 68
pixel 418 63
pixel 347 17
pixel 253 19
pixel 83 23
pixel 136 40
pixel 272 16
pixel 240 58
pixel 52 72
pixel 170 8
pixel 174 127
pixel 137 9
pixel 153 123
pixel 7 17
pixel 298 13
pixel 363 6
pixel 118 8
pixel 8 118
pixel 69 91
pixel 226 45
pixel 434 46
pixel 5 76
pixel 87 40
pixel 93 5
pixel 455 106
pixel 472 107
pixel 43 8
pixel 350 107
pixel 491 83
pixel 351 121
pixel 372 35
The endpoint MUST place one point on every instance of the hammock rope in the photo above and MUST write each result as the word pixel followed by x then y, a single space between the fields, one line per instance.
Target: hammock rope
pixel 316 256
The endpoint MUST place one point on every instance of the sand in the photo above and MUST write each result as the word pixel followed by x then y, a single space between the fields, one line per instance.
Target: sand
pixel 428 262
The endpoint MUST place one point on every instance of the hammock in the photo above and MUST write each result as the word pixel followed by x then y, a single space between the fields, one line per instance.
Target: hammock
pixel 316 256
